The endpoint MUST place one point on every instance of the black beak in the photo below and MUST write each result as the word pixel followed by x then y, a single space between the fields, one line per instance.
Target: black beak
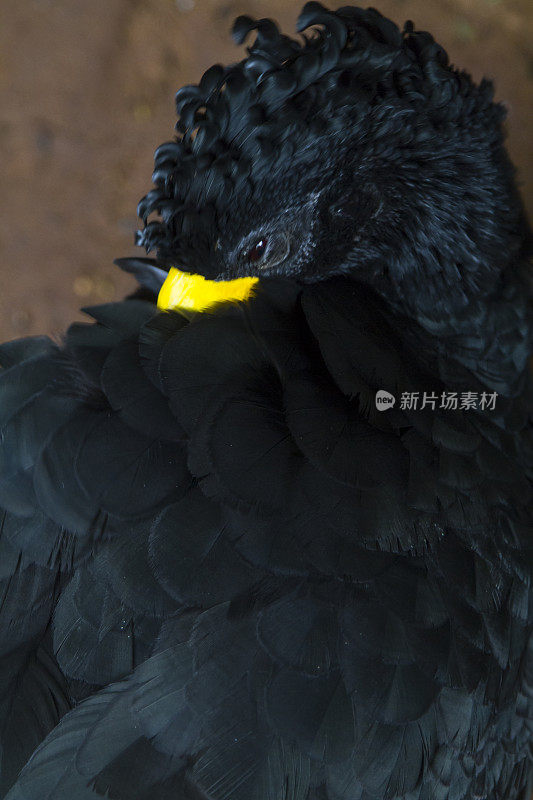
pixel 147 271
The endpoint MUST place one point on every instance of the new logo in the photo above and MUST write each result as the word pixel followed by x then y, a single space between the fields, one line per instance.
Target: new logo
pixel 384 400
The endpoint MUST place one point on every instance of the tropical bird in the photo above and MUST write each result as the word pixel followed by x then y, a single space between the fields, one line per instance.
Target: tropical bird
pixel 267 524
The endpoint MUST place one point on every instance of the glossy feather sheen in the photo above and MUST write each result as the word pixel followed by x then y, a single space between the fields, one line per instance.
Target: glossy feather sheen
pixel 224 573
pixel 270 612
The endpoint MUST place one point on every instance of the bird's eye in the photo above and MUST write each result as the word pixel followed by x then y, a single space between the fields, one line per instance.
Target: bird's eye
pixel 267 251
pixel 257 252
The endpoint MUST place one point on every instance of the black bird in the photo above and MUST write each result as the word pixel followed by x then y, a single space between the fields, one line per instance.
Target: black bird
pixel 232 568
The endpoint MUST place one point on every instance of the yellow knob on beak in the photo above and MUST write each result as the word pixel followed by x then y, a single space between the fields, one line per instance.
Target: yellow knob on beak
pixel 181 290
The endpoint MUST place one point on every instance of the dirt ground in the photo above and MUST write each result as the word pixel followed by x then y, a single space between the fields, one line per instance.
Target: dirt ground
pixel 86 94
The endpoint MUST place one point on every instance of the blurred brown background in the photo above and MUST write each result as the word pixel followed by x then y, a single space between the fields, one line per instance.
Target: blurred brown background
pixel 86 94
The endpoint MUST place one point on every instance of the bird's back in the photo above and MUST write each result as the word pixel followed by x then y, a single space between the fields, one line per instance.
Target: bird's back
pixel 245 579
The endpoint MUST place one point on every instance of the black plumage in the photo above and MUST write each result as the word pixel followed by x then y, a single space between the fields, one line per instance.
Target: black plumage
pixel 224 573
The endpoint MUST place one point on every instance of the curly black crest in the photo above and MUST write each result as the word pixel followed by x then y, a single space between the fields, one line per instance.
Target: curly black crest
pixel 289 96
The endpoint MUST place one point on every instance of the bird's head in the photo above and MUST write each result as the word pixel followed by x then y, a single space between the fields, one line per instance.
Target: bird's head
pixel 357 150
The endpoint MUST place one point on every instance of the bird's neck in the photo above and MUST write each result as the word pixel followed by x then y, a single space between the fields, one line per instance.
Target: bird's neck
pixel 491 339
